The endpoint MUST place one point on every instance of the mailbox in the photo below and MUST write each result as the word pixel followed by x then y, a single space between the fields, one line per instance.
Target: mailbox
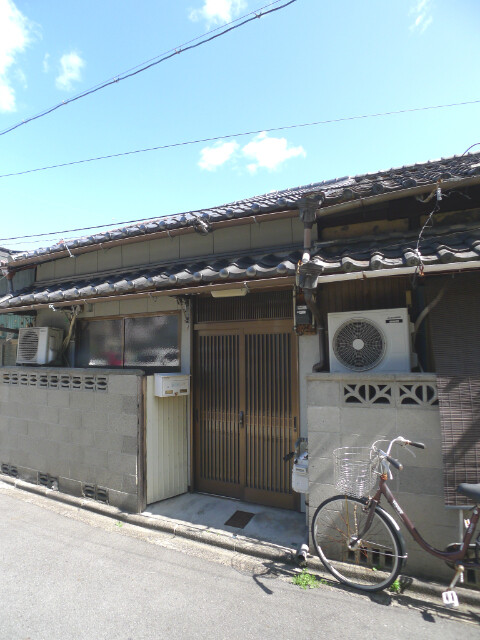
pixel 168 385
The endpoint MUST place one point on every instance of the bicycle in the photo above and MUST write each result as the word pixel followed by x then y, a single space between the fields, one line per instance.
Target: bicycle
pixel 361 544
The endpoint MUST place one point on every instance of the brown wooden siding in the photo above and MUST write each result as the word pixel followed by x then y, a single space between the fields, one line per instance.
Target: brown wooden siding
pixel 253 306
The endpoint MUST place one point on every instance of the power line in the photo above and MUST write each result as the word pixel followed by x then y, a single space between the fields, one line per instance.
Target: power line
pixel 61 236
pixel 187 46
pixel 238 135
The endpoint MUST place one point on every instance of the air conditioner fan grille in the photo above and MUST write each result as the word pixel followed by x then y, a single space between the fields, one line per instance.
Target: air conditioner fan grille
pixel 28 345
pixel 359 344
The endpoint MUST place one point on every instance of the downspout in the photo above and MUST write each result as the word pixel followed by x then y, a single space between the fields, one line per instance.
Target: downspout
pixel 308 214
pixel 9 276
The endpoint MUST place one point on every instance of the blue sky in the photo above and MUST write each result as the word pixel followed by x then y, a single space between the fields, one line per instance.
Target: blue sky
pixel 311 61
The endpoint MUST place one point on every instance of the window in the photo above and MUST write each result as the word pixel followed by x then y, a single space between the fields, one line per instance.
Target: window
pixel 151 342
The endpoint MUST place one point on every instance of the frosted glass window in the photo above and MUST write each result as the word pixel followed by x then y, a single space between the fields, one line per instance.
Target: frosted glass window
pixel 152 341
pixel 143 342
pixel 100 344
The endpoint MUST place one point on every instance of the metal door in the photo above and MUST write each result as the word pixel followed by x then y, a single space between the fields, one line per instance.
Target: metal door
pixel 246 410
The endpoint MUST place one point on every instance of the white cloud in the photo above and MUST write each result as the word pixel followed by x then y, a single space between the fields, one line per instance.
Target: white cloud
pixel 422 13
pixel 15 35
pixel 218 11
pixel 265 152
pixel 213 157
pixel 269 153
pixel 71 68
pixel 46 63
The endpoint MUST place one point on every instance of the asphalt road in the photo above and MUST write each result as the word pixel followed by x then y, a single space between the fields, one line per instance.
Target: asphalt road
pixel 66 573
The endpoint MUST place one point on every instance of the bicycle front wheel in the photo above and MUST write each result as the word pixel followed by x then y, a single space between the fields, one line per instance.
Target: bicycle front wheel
pixel 370 563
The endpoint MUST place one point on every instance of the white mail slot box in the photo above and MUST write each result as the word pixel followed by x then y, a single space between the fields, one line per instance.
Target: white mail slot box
pixel 172 384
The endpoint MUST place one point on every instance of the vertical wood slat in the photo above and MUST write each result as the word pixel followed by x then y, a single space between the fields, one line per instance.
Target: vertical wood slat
pixel 270 433
pixel 245 369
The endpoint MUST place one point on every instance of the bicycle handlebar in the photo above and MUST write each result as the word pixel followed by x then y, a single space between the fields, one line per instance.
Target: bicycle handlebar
pixel 419 445
pixel 396 463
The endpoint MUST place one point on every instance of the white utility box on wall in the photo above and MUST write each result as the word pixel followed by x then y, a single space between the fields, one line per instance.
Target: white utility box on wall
pixel 168 385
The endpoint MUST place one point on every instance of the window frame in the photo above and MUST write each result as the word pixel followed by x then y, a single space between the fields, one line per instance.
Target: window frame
pixel 123 317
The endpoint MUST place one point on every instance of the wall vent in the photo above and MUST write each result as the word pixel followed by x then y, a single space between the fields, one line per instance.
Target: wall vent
pixel 93 492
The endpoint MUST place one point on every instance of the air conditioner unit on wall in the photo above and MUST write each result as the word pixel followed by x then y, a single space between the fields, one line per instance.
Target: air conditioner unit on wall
pixel 38 345
pixel 373 341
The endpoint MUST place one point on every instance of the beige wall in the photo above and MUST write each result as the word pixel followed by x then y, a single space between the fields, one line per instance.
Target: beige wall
pixel 333 422
pixel 227 240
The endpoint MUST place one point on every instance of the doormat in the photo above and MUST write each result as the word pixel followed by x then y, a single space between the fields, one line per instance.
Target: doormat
pixel 240 519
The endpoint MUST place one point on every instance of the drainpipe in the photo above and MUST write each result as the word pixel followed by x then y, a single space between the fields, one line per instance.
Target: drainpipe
pixel 308 207
pixel 310 302
pixel 308 214
pixel 8 275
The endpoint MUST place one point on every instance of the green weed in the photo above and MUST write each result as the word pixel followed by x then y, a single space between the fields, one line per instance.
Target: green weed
pixel 395 587
pixel 307 580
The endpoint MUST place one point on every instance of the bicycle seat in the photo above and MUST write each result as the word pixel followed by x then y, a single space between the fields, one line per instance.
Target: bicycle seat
pixel 470 490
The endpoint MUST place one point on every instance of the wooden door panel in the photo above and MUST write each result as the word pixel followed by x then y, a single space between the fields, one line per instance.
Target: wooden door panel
pixel 270 420
pixel 251 371
pixel 217 413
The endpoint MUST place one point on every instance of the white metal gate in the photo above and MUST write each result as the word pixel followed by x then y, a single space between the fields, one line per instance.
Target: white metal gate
pixel 167 445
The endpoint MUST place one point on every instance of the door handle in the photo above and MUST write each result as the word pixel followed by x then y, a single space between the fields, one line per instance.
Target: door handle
pixel 240 419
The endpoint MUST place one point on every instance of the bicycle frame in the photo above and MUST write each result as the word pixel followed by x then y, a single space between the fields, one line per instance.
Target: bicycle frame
pixel 448 556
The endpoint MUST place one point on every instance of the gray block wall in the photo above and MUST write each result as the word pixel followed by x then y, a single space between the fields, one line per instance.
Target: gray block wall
pixel 355 410
pixel 77 430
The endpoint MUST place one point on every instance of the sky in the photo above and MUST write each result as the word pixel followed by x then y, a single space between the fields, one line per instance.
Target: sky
pixel 308 62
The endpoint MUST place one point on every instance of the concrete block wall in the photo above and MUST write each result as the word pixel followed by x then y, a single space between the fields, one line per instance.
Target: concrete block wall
pixel 355 410
pixel 73 427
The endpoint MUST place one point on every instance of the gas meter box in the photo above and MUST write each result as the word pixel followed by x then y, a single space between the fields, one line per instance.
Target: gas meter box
pixel 300 474
pixel 172 384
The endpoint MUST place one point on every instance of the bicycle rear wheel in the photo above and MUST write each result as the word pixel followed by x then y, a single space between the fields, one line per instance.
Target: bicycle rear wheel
pixel 377 558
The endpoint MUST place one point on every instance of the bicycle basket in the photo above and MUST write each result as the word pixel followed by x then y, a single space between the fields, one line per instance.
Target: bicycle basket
pixel 354 471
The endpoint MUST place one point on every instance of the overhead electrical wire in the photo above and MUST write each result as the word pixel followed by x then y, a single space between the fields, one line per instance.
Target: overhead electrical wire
pixel 187 46
pixel 238 135
pixel 61 233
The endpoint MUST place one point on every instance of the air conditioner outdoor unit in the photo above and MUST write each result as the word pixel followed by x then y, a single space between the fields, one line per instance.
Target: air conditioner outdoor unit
pixel 373 341
pixel 38 345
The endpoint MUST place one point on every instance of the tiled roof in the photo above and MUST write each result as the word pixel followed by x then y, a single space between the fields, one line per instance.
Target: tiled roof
pixel 339 190
pixel 394 251
pixel 220 270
